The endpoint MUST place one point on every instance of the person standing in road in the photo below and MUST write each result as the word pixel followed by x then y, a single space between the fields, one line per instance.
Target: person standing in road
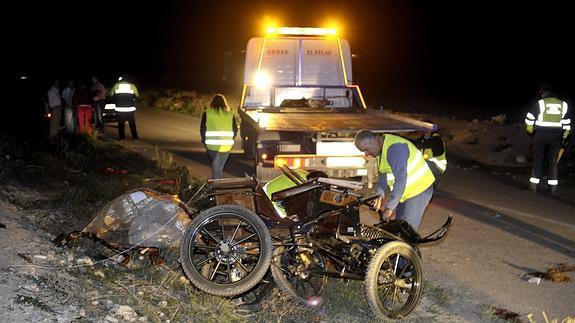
pixel 403 174
pixel 84 109
pixel 549 124
pixel 124 95
pixel 218 129
pixel 432 147
pixel 68 97
pixel 54 108
pixel 99 99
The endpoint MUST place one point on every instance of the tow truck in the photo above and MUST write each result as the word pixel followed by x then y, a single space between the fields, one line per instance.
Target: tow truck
pixel 300 107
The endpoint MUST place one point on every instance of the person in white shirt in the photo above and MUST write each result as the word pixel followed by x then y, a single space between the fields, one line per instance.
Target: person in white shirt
pixel 68 97
pixel 54 108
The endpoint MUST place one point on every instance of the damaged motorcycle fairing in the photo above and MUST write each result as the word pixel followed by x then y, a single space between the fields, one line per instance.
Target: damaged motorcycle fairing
pixel 140 219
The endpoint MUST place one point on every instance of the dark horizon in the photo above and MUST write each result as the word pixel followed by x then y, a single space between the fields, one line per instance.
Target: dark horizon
pixel 484 55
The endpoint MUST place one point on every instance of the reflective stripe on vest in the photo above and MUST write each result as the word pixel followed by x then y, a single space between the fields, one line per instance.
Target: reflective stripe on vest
pixel 529 119
pixel 125 88
pixel 419 176
pixel 551 113
pixel 440 160
pixel 124 94
pixel 566 124
pixel 219 130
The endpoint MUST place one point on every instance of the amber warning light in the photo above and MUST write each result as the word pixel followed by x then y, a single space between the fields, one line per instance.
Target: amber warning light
pixel 306 31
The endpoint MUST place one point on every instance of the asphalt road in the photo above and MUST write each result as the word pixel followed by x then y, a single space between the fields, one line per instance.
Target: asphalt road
pixel 500 232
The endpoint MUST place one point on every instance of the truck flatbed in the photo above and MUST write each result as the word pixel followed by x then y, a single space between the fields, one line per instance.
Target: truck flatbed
pixel 324 121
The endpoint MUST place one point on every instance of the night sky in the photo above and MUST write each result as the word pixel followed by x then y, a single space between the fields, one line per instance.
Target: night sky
pixel 468 57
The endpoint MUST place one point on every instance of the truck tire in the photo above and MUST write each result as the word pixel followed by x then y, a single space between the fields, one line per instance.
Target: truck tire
pixel 226 262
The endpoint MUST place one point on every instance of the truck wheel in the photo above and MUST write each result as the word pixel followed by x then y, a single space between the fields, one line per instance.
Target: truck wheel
pixel 293 273
pixel 394 280
pixel 226 250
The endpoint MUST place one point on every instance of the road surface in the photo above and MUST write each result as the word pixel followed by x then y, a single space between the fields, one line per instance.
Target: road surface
pixel 500 232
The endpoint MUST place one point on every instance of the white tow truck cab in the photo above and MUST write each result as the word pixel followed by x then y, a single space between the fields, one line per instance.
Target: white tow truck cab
pixel 299 106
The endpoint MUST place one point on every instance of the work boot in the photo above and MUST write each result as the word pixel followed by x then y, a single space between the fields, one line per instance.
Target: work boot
pixel 533 187
pixel 554 190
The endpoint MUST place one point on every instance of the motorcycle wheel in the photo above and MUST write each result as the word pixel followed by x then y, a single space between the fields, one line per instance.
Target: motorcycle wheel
pixel 294 277
pixel 226 250
pixel 394 280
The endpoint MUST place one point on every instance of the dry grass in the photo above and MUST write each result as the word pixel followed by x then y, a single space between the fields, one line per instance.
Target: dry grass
pixel 74 178
pixel 186 102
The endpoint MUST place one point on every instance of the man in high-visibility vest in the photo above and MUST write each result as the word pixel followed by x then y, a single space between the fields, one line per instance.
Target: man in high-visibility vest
pixel 403 174
pixel 218 129
pixel 432 147
pixel 549 124
pixel 124 95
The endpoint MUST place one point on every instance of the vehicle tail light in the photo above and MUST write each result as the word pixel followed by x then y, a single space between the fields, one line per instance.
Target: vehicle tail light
pixel 287 161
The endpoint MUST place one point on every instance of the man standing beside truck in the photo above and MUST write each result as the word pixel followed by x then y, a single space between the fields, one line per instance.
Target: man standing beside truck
pixel 403 174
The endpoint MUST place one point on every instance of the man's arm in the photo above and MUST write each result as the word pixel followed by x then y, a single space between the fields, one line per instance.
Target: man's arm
pixel 234 126
pixel 530 118
pixel 114 88
pixel 203 127
pixel 397 156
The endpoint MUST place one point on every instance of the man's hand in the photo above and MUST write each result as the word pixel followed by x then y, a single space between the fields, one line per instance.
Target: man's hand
pixel 389 214
pixel 379 203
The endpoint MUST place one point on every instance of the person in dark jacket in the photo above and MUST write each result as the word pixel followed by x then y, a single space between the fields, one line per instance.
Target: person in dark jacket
pixel 549 123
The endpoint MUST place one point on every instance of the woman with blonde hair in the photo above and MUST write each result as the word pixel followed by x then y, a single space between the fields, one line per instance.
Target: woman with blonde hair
pixel 218 130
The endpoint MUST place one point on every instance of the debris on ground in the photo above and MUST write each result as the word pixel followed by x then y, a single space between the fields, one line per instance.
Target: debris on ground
pixel 506 315
pixel 144 220
pixel 554 274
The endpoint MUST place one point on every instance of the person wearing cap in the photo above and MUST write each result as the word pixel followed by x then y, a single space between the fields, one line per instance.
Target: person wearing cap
pixel 549 124
pixel 218 129
pixel 124 94
pixel 403 174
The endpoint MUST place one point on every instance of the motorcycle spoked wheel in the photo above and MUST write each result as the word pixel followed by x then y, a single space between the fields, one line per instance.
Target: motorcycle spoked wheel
pixel 293 277
pixel 394 280
pixel 226 250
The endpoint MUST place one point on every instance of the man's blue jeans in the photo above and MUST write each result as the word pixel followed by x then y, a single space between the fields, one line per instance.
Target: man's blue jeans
pixel 218 161
pixel 411 210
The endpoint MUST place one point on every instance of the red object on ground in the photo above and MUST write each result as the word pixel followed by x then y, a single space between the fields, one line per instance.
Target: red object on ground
pixel 84 116
pixel 110 170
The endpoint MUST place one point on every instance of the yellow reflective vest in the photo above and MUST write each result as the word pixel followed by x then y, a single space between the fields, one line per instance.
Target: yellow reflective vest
pixel 219 130
pixel 552 114
pixel 419 176
pixel 440 160
pixel 281 183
